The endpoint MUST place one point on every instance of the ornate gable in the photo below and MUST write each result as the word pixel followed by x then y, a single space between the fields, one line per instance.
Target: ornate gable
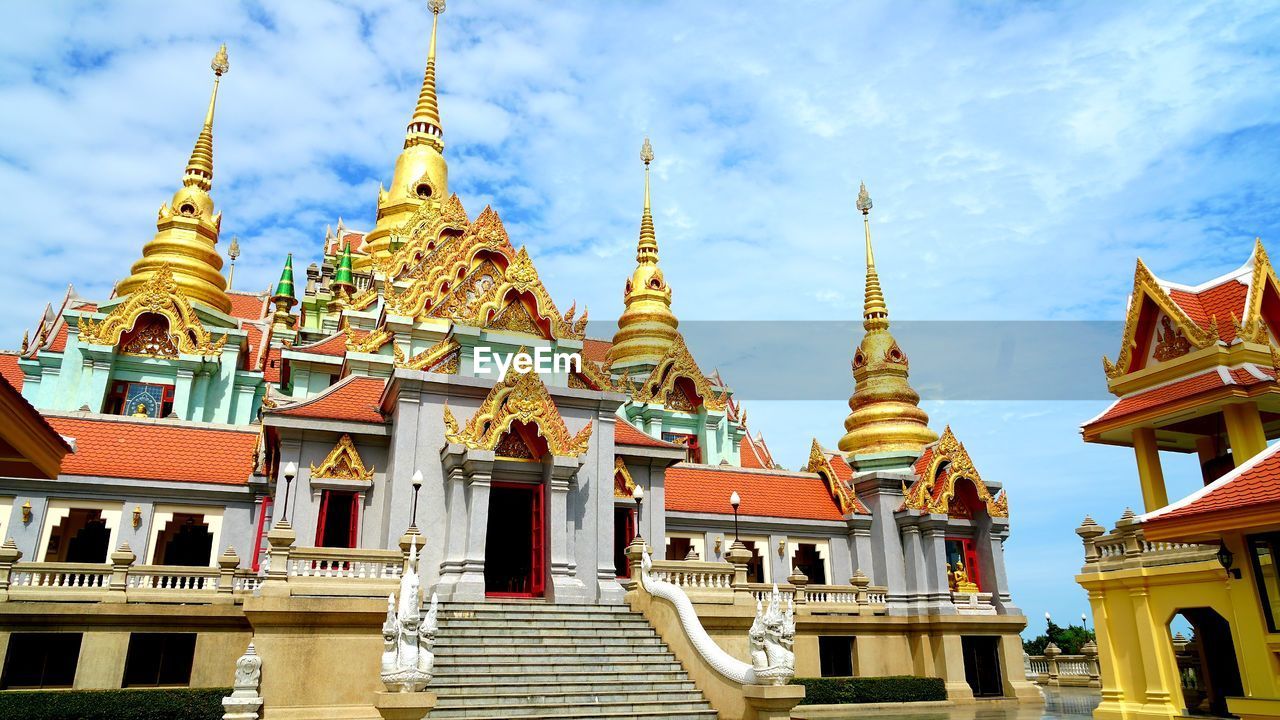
pixel 158 296
pixel 443 357
pixel 518 397
pixel 342 463
pixel 935 489
pixel 1263 304
pixel 820 463
pixel 1146 304
pixel 422 234
pixel 623 484
pixel 371 343
pixel 677 363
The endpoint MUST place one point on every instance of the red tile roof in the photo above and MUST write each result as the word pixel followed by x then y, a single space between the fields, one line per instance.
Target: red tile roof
pixel 249 306
pixel 1220 301
pixel 334 346
pixel 272 365
pixel 1179 390
pixel 624 433
pixel 156 451
pixel 753 453
pixel 355 398
pixel 596 350
pixel 706 489
pixel 1256 482
pixel 10 371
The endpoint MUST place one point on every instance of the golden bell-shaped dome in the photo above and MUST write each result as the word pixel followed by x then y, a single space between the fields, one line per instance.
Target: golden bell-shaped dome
pixel 647 327
pixel 885 415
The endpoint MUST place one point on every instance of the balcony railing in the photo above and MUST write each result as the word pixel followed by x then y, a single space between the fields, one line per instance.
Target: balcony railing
pixel 1055 669
pixel 713 583
pixel 1126 547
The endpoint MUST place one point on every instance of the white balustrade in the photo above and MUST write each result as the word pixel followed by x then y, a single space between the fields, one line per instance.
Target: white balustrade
pixel 60 575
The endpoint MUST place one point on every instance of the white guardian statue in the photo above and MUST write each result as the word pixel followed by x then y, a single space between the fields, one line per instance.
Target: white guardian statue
pixel 772 635
pixel 408 637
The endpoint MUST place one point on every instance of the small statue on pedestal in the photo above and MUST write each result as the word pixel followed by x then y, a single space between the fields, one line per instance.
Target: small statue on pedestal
pixel 772 636
pixel 244 701
pixel 408 637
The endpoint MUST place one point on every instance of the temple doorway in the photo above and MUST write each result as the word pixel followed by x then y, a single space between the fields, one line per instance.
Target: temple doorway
pixel 185 540
pixel 624 530
pixel 80 537
pixel 339 522
pixel 1206 662
pixel 982 665
pixel 515 544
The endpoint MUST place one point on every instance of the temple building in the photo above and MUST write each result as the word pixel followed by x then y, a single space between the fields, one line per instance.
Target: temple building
pixel 1196 373
pixel 265 466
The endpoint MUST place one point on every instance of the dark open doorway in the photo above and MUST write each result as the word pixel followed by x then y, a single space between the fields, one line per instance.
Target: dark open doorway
pixel 624 531
pixel 339 521
pixel 514 559
pixel 185 540
pixel 1207 663
pixel 982 665
pixel 81 537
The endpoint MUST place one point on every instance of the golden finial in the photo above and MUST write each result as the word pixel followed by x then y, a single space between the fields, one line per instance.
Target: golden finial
pixel 435 6
pixel 647 252
pixel 875 314
pixel 646 151
pixel 426 115
pixel 233 252
pixel 220 65
pixel 864 199
pixel 200 167
pixel 26 341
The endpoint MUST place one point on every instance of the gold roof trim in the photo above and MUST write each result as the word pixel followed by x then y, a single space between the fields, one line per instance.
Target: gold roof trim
pixel 518 397
pixel 160 295
pixel 425 226
pixel 820 463
pixel 628 484
pixel 678 363
pixel 372 342
pixel 1253 329
pixel 1146 286
pixel 443 355
pixel 923 495
pixel 343 463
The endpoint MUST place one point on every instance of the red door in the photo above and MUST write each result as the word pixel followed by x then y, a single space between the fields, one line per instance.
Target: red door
pixel 516 541
pixel 537 545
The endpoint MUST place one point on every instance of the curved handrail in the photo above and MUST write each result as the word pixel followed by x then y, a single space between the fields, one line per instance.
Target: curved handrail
pixel 723 663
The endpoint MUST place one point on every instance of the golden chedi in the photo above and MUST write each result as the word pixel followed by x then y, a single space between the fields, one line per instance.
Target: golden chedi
pixel 187 228
pixel 421 174
pixel 885 416
pixel 647 327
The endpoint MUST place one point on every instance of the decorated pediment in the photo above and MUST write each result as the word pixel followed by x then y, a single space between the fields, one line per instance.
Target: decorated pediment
pixel 421 235
pixel 935 489
pixel 371 343
pixel 517 398
pixel 443 357
pixel 1147 304
pixel 435 272
pixel 1261 321
pixel 342 463
pixel 677 379
pixel 159 297
pixel 623 484
pixel 820 463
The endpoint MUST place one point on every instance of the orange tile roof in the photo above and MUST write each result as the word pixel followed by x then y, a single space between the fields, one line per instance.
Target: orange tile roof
pixel 753 453
pixel 155 451
pixel 706 489
pixel 334 346
pixel 355 398
pixel 59 343
pixel 248 306
pixel 10 371
pixel 1220 301
pixel 272 365
pixel 1256 482
pixel 624 433
pixel 1177 390
pixel 596 350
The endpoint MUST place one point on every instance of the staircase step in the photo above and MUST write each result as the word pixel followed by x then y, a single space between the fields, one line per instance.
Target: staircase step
pixel 666 708
pixel 560 698
pixel 553 676
pixel 498 689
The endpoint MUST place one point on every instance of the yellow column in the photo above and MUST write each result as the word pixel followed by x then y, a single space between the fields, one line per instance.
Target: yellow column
pixel 1161 679
pixel 1244 431
pixel 1109 658
pixel 1150 475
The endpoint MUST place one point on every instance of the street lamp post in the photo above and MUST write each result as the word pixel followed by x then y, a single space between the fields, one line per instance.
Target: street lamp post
pixel 417 485
pixel 289 471
pixel 638 494
pixel 735 501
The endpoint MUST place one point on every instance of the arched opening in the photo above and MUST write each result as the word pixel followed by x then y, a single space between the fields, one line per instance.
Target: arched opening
pixel 80 537
pixel 185 540
pixel 1206 660
pixel 964 573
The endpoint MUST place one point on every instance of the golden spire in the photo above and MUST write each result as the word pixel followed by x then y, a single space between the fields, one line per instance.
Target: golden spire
pixel 187 228
pixel 421 174
pixel 647 326
pixel 884 417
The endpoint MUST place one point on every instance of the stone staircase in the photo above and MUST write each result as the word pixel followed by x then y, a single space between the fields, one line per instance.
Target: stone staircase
pixel 539 660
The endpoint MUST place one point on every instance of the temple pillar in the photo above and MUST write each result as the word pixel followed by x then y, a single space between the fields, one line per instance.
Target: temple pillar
pixel 860 539
pixel 914 572
pixel 94 383
pixel 468 475
pixel 1157 657
pixel 881 492
pixel 933 546
pixel 1244 431
pixel 182 393
pixel 1150 475
pixel 566 586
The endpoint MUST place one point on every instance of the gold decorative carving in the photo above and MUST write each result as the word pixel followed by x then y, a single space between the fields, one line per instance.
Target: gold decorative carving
pixel 1254 328
pixel 925 495
pixel 441 357
pixel 623 484
pixel 342 463
pixel 149 339
pixel 675 364
pixel 1147 288
pixel 162 296
pixel 511 445
pixel 1170 342
pixel 372 342
pixel 515 318
pixel 821 464
pixel 518 397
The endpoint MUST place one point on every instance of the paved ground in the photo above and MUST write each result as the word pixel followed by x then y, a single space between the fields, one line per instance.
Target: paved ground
pixel 1060 704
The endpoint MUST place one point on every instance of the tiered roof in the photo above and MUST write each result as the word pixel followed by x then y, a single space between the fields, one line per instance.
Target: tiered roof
pixel 355 398
pixel 118 447
pixel 1245 499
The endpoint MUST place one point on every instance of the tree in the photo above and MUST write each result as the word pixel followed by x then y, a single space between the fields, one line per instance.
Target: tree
pixel 1069 639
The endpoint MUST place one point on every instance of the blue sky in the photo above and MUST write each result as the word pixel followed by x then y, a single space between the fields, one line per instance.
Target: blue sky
pixel 1020 155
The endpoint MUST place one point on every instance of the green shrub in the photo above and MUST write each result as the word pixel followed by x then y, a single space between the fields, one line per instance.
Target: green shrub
pixel 895 688
pixel 132 704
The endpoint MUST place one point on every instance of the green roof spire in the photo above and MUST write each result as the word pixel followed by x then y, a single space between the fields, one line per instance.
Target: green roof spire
pixel 343 278
pixel 284 288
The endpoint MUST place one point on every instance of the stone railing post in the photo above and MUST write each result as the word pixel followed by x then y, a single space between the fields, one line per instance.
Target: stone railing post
pixel 120 561
pixel 635 561
pixel 1051 653
pixel 1127 529
pixel 410 539
pixel 860 581
pixel 9 554
pixel 1090 652
pixel 1089 531
pixel 228 561
pixel 739 556
pixel 280 541
pixel 799 580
